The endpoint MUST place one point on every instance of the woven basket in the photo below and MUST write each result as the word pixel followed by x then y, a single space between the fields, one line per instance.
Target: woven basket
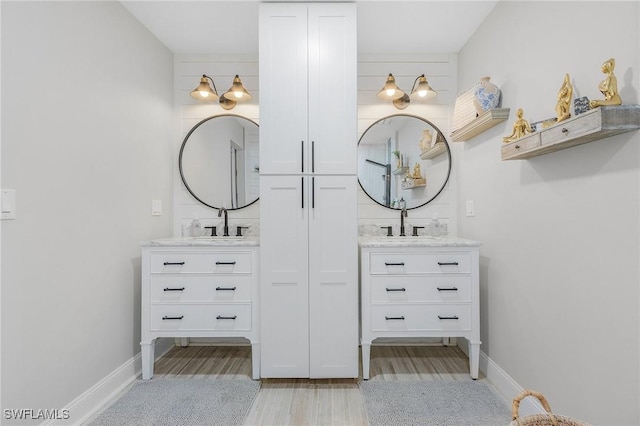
pixel 548 419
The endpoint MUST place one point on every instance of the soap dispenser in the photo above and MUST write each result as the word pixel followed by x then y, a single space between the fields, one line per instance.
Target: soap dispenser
pixel 196 226
pixel 435 228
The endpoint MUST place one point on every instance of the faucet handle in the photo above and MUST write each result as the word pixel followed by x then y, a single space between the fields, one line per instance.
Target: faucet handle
pixel 389 230
pixel 415 230
pixel 239 230
pixel 213 230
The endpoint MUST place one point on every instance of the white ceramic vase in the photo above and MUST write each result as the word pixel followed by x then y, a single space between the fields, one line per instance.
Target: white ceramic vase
pixel 486 96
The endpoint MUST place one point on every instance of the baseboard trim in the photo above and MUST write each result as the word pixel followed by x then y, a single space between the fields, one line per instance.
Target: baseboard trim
pixel 103 392
pixel 506 387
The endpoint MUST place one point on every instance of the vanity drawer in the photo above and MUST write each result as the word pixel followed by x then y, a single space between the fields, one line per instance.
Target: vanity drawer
pixel 396 317
pixel 417 263
pixel 201 317
pixel 201 288
pixel 440 288
pixel 571 129
pixel 521 145
pixel 203 262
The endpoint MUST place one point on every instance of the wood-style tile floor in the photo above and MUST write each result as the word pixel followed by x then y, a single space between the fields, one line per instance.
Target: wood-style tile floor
pixel 282 402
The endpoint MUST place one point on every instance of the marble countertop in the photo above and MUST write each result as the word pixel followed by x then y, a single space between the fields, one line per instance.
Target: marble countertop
pixel 422 241
pixel 204 242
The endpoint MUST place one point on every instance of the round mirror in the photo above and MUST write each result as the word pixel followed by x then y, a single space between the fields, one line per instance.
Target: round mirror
pixel 403 161
pixel 219 162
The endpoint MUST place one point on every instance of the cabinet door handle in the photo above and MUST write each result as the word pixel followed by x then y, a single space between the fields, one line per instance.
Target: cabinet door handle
pixel 396 289
pixel 225 289
pixel 448 263
pixel 173 263
pixel 447 288
pixel 165 318
pixel 226 263
pixel 173 289
pixel 454 317
pixel 302 156
pixel 313 192
pixel 401 318
pixel 220 317
pixel 313 157
pixel 302 186
pixel 394 263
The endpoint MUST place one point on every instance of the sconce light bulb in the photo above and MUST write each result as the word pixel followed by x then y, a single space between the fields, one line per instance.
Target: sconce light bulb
pixel 237 94
pixel 422 93
pixel 204 94
pixel 390 92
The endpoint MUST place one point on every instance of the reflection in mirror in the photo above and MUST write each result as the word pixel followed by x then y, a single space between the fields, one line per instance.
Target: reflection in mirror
pixel 403 159
pixel 219 162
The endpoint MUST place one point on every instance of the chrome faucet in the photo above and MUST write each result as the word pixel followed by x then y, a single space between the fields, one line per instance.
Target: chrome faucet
pixel 226 220
pixel 403 214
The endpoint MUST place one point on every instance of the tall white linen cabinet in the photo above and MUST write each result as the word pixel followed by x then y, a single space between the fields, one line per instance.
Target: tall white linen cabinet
pixel 308 190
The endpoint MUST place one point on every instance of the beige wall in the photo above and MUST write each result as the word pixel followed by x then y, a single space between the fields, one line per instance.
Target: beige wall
pixel 560 232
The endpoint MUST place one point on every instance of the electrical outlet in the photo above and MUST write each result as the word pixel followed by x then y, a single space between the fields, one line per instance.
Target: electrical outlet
pixel 156 207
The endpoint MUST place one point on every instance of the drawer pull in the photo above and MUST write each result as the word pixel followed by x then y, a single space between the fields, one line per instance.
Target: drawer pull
pixel 394 264
pixel 173 263
pixel 448 263
pixel 225 288
pixel 220 317
pixel 396 289
pixel 394 318
pixel 173 289
pixel 226 263
pixel 455 317
pixel 165 318
pixel 565 130
pixel 517 147
pixel 447 288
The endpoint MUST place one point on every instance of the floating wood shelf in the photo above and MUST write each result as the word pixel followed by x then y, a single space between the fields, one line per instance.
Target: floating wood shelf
pixel 484 121
pixel 400 171
pixel 413 183
pixel 433 152
pixel 590 126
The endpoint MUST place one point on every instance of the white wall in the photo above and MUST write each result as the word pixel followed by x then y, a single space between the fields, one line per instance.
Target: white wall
pixel 87 144
pixel 560 234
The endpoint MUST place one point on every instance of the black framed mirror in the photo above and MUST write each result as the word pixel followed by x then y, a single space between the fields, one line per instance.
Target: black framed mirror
pixel 219 162
pixel 403 161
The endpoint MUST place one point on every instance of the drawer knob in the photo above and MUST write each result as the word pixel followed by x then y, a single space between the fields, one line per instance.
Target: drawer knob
pixel 226 263
pixel 448 263
pixel 394 318
pixel 394 263
pixel 165 318
pixel 454 317
pixel 447 288
pixel 173 289
pixel 225 288
pixel 220 317
pixel 173 263
pixel 517 147
pixel 565 130
pixel 396 289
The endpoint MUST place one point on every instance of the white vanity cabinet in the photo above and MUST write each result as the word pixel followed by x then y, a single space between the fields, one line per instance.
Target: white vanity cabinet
pixel 308 88
pixel 197 288
pixel 420 288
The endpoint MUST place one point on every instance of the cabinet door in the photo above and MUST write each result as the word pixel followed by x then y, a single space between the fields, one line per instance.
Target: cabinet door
pixel 333 88
pixel 284 146
pixel 333 277
pixel 284 295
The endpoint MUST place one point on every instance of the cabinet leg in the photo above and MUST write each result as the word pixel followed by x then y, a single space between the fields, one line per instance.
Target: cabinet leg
pixel 474 358
pixel 366 357
pixel 147 353
pixel 255 360
pixel 184 342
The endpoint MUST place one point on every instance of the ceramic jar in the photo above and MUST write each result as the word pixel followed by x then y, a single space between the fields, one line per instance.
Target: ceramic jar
pixel 486 96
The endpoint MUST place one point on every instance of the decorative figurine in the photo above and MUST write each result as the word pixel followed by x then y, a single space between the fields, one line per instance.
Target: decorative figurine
pixel 520 128
pixel 608 86
pixel 564 100
pixel 425 142
pixel 416 171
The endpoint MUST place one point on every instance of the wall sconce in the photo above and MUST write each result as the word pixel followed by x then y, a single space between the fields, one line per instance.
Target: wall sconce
pixel 391 92
pixel 235 94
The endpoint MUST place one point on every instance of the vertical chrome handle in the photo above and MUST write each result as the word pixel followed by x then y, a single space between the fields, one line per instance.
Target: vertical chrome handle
pixel 302 187
pixel 302 155
pixel 313 157
pixel 313 192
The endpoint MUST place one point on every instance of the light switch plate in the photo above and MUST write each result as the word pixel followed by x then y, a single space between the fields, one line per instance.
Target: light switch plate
pixel 8 204
pixel 470 208
pixel 156 207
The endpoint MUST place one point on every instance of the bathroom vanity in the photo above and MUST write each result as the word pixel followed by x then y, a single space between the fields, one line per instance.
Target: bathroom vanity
pixel 199 287
pixel 419 287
